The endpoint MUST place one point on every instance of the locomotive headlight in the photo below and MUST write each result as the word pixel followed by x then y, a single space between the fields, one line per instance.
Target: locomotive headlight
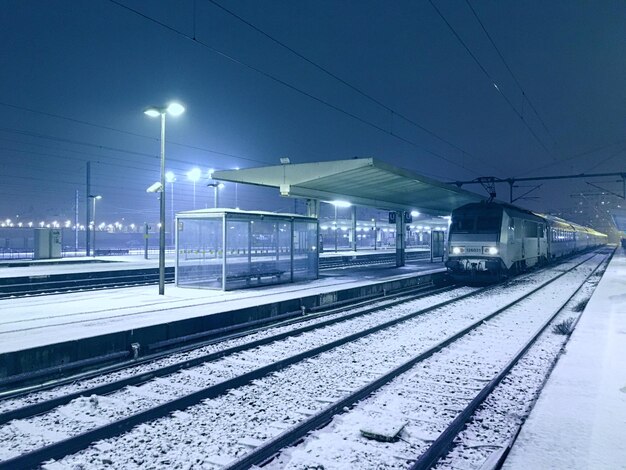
pixel 456 250
pixel 492 250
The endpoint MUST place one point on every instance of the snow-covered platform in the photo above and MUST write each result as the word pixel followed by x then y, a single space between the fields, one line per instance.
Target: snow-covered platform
pixel 579 421
pixel 37 331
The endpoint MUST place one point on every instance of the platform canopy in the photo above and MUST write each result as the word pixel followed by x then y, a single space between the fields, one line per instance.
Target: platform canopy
pixel 360 181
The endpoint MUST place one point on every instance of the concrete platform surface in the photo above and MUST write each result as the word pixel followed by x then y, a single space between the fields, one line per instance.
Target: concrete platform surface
pixel 579 421
pixel 29 322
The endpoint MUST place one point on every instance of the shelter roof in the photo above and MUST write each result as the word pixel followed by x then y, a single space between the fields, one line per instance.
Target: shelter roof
pixel 202 213
pixel 361 181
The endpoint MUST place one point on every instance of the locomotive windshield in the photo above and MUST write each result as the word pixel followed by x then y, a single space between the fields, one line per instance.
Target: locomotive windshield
pixel 476 223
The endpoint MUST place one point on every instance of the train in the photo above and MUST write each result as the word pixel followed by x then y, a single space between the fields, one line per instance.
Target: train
pixel 490 241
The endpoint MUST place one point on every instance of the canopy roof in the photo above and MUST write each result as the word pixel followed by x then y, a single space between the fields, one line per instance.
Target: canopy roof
pixel 360 181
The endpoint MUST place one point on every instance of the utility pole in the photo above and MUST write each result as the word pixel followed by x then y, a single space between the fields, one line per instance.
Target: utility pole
pixel 76 222
pixel 87 194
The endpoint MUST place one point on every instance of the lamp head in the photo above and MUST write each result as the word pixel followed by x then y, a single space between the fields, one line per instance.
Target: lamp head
pixel 152 112
pixel 175 109
pixel 194 174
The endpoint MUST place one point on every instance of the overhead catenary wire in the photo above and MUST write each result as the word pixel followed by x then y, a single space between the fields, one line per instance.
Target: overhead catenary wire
pixel 290 86
pixel 155 139
pixel 492 81
pixel 517 82
pixel 354 88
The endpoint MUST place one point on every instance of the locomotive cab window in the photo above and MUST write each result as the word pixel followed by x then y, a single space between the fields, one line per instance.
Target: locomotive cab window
pixel 488 224
pixel 462 224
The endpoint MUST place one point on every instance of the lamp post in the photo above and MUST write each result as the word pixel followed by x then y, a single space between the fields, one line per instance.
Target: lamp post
pixel 216 195
pixel 237 198
pixel 375 233
pixel 170 177
pixel 175 109
pixel 94 198
pixel 194 175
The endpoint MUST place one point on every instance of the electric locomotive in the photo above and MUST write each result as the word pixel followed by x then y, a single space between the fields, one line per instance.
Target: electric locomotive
pixel 488 241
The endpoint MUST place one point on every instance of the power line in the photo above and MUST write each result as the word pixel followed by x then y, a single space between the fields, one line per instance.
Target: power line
pixel 134 134
pixel 532 106
pixel 490 78
pixel 344 82
pixel 288 85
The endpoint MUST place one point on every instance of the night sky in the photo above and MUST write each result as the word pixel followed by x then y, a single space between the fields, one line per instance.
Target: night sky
pixel 416 84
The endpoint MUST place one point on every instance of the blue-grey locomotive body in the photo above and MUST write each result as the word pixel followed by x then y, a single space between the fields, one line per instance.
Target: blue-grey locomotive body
pixel 490 240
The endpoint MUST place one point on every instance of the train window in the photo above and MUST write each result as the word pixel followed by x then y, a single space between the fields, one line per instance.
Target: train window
pixel 512 223
pixel 488 224
pixel 462 224
pixel 541 232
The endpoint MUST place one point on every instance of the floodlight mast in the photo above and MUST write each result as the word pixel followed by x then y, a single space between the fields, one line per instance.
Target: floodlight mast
pixel 175 109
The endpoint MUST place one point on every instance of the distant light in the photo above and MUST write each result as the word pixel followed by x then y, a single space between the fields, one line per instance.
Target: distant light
pixel 285 161
pixel 414 213
pixel 152 112
pixel 341 203
pixel 194 174
pixel 170 177
pixel 175 109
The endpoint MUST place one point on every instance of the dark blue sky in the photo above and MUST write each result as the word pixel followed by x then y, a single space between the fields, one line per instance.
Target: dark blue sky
pixel 87 69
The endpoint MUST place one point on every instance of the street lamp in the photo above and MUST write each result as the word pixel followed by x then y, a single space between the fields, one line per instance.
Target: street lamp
pixel 170 177
pixel 94 198
pixel 175 109
pixel 216 195
pixel 194 175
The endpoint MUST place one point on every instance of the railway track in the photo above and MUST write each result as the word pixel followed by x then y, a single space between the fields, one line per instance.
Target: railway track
pixel 221 378
pixel 23 286
pixel 440 418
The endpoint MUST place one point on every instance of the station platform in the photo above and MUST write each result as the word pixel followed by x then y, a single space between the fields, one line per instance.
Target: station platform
pixel 47 330
pixel 579 420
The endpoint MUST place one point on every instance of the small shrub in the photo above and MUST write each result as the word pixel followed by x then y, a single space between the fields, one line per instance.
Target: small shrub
pixel 566 327
pixel 580 306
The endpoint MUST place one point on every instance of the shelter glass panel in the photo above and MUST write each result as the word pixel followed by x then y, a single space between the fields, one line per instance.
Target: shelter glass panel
pixel 305 256
pixel 200 251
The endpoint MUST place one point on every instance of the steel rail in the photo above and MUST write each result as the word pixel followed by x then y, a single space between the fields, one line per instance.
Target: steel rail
pixel 444 442
pixel 267 450
pixel 76 443
pixel 217 336
pixel 85 281
pixel 47 405
pixel 144 277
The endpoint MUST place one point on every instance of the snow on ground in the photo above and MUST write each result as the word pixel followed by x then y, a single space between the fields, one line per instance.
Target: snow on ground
pixel 579 421
pixel 35 321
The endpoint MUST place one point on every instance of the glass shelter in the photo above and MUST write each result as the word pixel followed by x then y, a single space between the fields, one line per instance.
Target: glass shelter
pixel 233 249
